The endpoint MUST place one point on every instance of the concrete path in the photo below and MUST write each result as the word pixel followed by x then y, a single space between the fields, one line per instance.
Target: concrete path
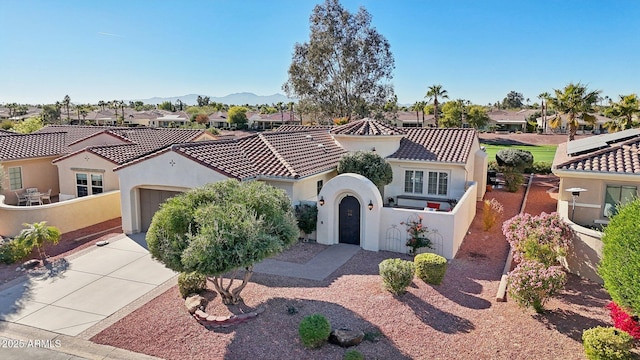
pixel 318 268
pixel 86 289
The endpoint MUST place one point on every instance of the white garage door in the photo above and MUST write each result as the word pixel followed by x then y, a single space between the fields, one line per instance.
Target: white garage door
pixel 150 201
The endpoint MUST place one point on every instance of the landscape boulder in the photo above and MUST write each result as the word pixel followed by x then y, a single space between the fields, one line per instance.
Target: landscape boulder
pixel 195 302
pixel 346 337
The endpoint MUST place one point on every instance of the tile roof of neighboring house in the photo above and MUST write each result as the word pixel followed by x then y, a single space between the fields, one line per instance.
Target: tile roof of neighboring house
pixel 6 132
pixel 35 145
pixel 367 127
pixel 142 141
pixel 619 158
pixel 289 128
pixel 271 154
pixel 437 145
pixel 510 115
pixel 75 133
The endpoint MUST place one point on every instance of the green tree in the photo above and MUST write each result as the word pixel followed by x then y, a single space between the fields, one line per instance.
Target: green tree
pixel 368 164
pixel 221 228
pixel 576 102
pixel 620 263
pixel 201 119
pixel 434 92
pixel 102 104
pixel 237 115
pixel 477 116
pixel 543 108
pixel 345 64
pixel 452 114
pixel 50 114
pixel 512 162
pixel 513 100
pixel 36 235
pixel 27 126
pixel 623 113
pixel 166 105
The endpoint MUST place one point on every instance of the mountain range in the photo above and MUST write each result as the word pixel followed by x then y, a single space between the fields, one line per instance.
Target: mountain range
pixel 231 99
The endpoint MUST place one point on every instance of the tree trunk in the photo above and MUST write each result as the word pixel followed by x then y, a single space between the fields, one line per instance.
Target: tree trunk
pixel 231 296
pixel 573 128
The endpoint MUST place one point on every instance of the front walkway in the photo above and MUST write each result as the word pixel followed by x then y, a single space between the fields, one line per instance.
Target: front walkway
pixel 85 289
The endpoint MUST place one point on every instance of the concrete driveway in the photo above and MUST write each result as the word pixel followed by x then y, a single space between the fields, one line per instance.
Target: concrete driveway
pixel 85 290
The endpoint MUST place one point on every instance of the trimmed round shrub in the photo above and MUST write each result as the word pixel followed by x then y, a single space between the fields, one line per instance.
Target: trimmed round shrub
pixel 191 283
pixel 532 284
pixel 620 264
pixel 608 343
pixel 353 355
pixel 396 274
pixel 314 330
pixel 430 267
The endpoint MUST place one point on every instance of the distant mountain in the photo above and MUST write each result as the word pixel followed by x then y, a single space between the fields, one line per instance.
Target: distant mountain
pixel 231 99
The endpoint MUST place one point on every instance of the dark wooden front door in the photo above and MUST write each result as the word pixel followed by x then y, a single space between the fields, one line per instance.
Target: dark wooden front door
pixel 349 227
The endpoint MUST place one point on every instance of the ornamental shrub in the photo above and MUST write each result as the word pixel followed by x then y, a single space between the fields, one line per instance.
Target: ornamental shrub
pixel 430 267
pixel 514 158
pixel 606 343
pixel 532 283
pixel 307 217
pixel 620 263
pixel 12 251
pixel 396 274
pixel 623 321
pixel 417 234
pixel 490 214
pixel 353 355
pixel 533 250
pixel 546 229
pixel 539 167
pixel 314 330
pixel 191 282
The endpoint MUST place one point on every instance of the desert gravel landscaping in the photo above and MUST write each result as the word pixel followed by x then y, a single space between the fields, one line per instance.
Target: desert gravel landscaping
pixel 457 320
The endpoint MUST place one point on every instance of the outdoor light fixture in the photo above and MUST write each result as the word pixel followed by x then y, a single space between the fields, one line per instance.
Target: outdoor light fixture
pixel 575 192
pixel 321 201
pixel 370 206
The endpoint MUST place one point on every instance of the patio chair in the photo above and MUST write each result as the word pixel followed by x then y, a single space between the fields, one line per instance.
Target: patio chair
pixel 33 199
pixel 22 198
pixel 46 196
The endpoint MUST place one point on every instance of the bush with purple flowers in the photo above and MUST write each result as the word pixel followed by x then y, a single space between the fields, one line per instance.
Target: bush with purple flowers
pixel 548 231
pixel 532 283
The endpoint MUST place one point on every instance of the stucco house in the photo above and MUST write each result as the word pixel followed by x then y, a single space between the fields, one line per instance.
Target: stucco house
pixel 444 167
pixel 604 170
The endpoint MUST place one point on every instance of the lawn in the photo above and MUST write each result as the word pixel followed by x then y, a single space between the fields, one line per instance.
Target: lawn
pixel 540 152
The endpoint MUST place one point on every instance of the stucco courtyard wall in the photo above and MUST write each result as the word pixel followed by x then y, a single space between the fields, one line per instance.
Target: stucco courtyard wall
pixel 67 216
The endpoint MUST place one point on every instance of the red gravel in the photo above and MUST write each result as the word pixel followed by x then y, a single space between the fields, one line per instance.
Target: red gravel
pixel 459 319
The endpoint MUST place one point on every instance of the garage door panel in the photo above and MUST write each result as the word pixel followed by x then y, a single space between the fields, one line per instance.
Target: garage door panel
pixel 150 201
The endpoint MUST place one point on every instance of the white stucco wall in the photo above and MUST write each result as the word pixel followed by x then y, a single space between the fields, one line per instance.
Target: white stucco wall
pixel 457 178
pixel 362 189
pixel 385 145
pixel 167 171
pixel 85 162
pixel 306 189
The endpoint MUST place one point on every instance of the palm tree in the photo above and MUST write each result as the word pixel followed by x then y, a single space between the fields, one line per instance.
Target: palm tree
pixel 543 109
pixel 623 113
pixel 102 104
pixel 292 114
pixel 36 235
pixel 280 108
pixel 417 108
pixel 576 102
pixel 66 102
pixel 433 93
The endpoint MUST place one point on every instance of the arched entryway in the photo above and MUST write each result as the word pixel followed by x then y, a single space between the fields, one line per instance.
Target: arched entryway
pixel 349 221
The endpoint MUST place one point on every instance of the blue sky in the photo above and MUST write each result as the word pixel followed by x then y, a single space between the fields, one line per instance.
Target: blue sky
pixel 478 50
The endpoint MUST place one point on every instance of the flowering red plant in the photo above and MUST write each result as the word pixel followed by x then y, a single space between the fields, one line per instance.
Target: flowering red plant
pixel 417 234
pixel 623 321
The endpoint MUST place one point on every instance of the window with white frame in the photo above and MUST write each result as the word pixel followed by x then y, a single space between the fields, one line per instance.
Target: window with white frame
pixel 82 188
pixel 15 178
pixel 438 183
pixel 618 195
pixel 96 184
pixel 413 181
pixel 89 184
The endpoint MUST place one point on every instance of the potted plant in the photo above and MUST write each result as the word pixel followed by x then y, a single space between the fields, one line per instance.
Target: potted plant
pixel 390 200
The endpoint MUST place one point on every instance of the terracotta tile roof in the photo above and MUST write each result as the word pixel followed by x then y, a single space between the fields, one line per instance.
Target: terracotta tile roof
pixel 6 132
pixel 290 128
pixel 620 158
pixel 437 145
pixel 367 127
pixel 271 154
pixel 26 146
pixel 75 133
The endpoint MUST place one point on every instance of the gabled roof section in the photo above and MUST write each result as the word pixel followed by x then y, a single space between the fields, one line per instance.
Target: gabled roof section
pixel 28 146
pixel 619 158
pixel 75 133
pixel 292 128
pixel 452 145
pixel 592 143
pixel 367 127
pixel 225 156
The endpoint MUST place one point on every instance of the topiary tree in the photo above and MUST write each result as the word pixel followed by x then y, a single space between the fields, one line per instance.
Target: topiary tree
pixel 220 228
pixel 620 263
pixel 368 164
pixel 512 162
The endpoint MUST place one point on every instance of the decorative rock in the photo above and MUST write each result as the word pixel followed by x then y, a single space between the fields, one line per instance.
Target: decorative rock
pixel 194 303
pixel 30 264
pixel 346 337
pixel 102 243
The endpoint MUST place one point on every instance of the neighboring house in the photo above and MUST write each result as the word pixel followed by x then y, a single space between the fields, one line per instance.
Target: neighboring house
pixel 409 119
pixel 606 168
pixel 438 166
pixel 509 120
pixel 171 119
pixel 269 121
pixel 583 127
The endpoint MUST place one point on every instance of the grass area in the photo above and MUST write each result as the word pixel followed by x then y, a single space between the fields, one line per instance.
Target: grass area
pixel 540 152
